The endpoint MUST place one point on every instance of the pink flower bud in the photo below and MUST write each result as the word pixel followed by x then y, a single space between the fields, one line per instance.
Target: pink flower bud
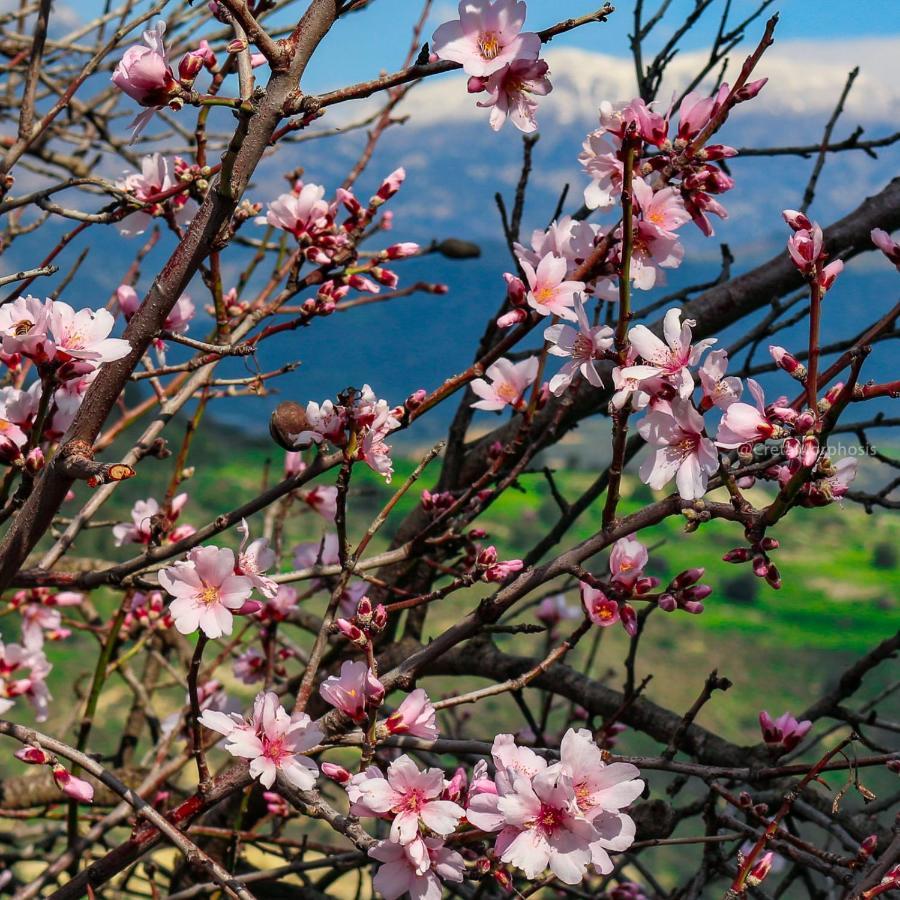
pixel 276 804
pixel 829 273
pixel 686 578
pixel 248 608
pixel 832 394
pixel 33 756
pixel 694 607
pixel 34 462
pixel 476 85
pixel 399 251
pixel 750 90
pixel 760 566
pixel 887 245
pixel 336 773
pixel 791 448
pixel 236 45
pixel 515 290
pixel 73 787
pixel 385 276
pixel 738 555
pixel 868 845
pixel 787 361
pixel 809 452
pixel 352 633
pixel 773 576
pixel 416 399
pixel 379 618
pixel 190 66
pixel 745 800
pixel 629 619
pixel 389 186
pixel 769 543
pixel 698 592
pixel 507 320
pixel 760 869
pixel 796 220
pixel 667 603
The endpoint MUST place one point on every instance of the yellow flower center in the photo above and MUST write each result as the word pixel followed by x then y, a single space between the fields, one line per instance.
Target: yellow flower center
pixel 507 392
pixel 209 595
pixel 489 45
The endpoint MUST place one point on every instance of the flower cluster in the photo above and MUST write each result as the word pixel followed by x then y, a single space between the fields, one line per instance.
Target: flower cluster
pixel 359 423
pixel 23 673
pixel 153 524
pixel 156 187
pixel 327 239
pixel 273 741
pixel 500 59
pixel 566 816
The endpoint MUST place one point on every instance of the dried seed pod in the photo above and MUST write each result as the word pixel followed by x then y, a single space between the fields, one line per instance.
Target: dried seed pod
pixel 288 418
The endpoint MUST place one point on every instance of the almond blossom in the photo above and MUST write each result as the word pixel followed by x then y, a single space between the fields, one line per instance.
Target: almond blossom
pixel 23 673
pixel 24 328
pixel 354 691
pixel 719 389
pixel 83 336
pixel 156 177
pixel 408 795
pixel 508 383
pixel 670 359
pixel 745 424
pixel 297 211
pixel 785 732
pixel 604 167
pixel 601 610
pixel 272 740
pixel 206 591
pixel 549 293
pixel 417 868
pixel 681 449
pixel 572 239
pixel 143 514
pixel 663 210
pixel 627 562
pixel 255 560
pixel 144 74
pixel 583 347
pixel 601 791
pixel 415 716
pixel 487 36
pixel 510 91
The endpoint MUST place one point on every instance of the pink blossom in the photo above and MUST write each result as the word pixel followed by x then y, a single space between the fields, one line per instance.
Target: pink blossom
pixel 887 245
pixel 653 251
pixel 543 828
pixel 681 450
pixel 76 788
pixel 743 423
pixel 553 610
pixel 271 739
pixel 510 91
pixel 407 794
pixel 601 791
pixel 83 335
pixel 323 499
pixel 156 177
pixel 24 328
pixel 298 211
pixel 377 420
pixel 785 732
pixel 508 383
pixel 601 609
pixel 326 423
pixel 354 691
pixel 805 248
pixel 696 110
pixel 719 389
pixel 250 666
pixel 549 293
pixel 12 440
pixel 417 868
pixel 143 513
pixel 495 569
pixel 206 591
pixel 255 560
pixel 569 238
pixel 627 561
pixel 583 347
pixel 320 553
pixel 144 73
pixel 14 682
pixel 671 359
pixel 415 716
pixel 487 36
pixel 602 164
pixel 663 210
